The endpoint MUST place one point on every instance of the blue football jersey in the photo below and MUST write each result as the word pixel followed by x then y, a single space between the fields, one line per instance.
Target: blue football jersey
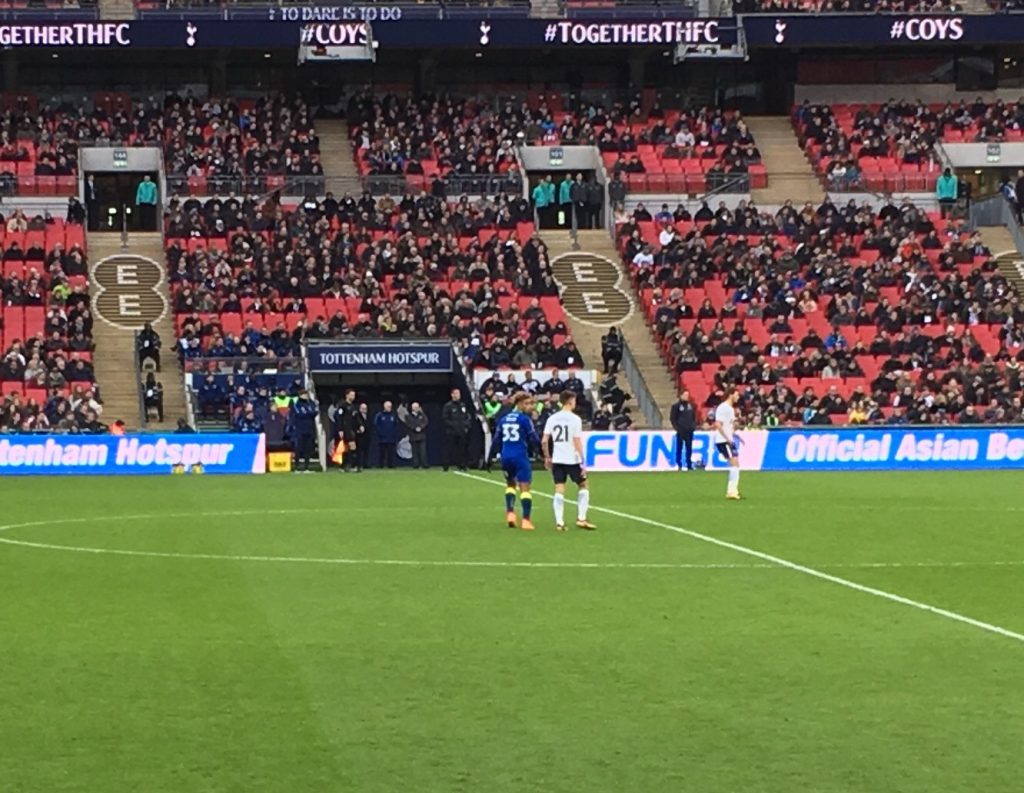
pixel 513 435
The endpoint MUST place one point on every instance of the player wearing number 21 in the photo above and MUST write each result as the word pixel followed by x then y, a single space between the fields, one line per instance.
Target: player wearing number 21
pixel 562 443
pixel 727 441
pixel 514 437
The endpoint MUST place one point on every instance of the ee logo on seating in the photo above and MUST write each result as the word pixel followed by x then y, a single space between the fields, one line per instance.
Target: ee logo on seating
pixel 129 294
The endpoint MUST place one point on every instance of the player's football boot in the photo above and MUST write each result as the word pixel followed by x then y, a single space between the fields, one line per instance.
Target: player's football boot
pixel 559 527
pixel 585 524
pixel 510 519
pixel 733 496
pixel 527 525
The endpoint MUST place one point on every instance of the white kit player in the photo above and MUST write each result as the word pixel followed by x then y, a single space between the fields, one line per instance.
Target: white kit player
pixel 562 443
pixel 726 440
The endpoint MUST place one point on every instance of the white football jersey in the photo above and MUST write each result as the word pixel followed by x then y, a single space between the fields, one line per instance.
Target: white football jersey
pixel 564 427
pixel 726 416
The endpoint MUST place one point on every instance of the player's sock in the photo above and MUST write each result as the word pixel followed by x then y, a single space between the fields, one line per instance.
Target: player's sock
pixel 510 499
pixel 582 503
pixel 559 503
pixel 527 499
pixel 734 480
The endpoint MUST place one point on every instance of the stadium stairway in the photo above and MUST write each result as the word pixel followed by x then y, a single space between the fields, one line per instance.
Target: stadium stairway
pixel 545 9
pixel 336 158
pixel 596 295
pixel 1010 261
pixel 128 289
pixel 117 9
pixel 790 175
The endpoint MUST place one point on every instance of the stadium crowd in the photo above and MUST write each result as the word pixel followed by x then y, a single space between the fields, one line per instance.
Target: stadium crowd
pixel 201 138
pixel 440 136
pixel 863 145
pixel 832 313
pixel 46 374
pixel 254 280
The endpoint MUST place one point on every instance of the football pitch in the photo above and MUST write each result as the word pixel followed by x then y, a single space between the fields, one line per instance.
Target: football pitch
pixel 386 632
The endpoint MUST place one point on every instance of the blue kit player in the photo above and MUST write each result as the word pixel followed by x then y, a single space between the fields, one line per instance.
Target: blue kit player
pixel 514 434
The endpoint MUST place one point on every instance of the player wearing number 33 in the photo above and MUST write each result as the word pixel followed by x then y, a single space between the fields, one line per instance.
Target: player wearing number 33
pixel 514 436
pixel 562 443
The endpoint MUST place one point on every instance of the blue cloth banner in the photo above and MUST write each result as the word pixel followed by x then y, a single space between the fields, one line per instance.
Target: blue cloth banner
pixel 107 455
pixel 356 357
pixel 818 449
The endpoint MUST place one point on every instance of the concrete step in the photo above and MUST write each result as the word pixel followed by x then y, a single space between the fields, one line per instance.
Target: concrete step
pixel 336 157
pixel 128 289
pixel 790 175
pixel 117 9
pixel 594 273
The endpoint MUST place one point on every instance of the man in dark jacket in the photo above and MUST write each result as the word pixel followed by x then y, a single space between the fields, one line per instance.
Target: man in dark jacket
pixel 350 429
pixel 416 423
pixel 148 346
pixel 617 191
pixel 684 421
pixel 276 428
pixel 302 427
pixel 578 193
pixel 611 351
pixel 457 423
pixel 595 200
pixel 386 426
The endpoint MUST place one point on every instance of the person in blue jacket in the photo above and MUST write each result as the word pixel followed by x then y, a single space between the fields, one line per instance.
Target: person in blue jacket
pixel 387 426
pixel 302 429
pixel 247 421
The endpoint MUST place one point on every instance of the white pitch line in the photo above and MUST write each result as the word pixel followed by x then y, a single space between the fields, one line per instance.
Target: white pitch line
pixel 421 562
pixel 383 562
pixel 796 567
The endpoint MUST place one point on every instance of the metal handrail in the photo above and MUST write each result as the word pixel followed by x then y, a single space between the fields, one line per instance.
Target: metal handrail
pixel 641 391
pixel 137 370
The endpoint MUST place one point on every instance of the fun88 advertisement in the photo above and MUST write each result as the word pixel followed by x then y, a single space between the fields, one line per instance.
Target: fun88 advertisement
pixel 108 455
pixel 818 449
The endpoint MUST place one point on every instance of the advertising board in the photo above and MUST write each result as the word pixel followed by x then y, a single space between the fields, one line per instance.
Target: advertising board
pixel 818 449
pixel 110 455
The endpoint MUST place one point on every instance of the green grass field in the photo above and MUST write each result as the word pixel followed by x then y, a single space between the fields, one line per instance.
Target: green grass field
pixel 329 633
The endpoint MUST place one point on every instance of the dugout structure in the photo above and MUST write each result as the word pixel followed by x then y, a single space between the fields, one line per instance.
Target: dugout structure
pixel 401 371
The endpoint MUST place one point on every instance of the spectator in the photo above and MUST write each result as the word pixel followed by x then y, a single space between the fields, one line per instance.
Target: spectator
pixel 153 396
pixel 946 190
pixel 416 423
pixel 247 421
pixel 148 345
pixel 387 426
pixel 145 202
pixel 611 350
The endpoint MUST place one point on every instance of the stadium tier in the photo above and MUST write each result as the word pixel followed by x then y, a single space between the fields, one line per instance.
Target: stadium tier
pixel 651 148
pixel 213 145
pixel 891 147
pixel 828 314
pixel 46 376
pixel 254 281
